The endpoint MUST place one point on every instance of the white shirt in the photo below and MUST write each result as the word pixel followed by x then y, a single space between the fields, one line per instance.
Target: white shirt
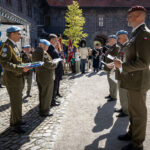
pixel 83 52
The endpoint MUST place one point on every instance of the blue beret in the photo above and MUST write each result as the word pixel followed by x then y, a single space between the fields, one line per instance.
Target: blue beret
pixel 13 29
pixel 112 36
pixel 122 32
pixel 45 42
pixel 26 46
pixel 0 33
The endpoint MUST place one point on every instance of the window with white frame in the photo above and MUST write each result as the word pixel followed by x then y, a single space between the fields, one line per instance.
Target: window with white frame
pixel 100 21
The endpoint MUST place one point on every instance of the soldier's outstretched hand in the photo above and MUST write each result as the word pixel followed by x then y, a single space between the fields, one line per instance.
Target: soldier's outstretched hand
pixel 25 69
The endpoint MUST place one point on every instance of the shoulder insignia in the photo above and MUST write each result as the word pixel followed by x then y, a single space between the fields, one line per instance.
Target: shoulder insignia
pixel 4 55
pixel 5 50
pixel 45 56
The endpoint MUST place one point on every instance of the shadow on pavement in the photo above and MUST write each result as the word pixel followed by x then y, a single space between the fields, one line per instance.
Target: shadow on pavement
pixel 104 120
pixel 13 141
pixel 103 73
pixel 6 106
pixel 91 74
pixel 76 76
pixel 104 117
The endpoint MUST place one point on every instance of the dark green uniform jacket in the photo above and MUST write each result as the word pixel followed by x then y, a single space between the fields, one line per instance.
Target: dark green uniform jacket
pixel 26 59
pixel 47 70
pixel 136 74
pixel 113 51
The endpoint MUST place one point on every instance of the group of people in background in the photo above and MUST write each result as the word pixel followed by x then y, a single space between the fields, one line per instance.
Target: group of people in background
pixel 87 59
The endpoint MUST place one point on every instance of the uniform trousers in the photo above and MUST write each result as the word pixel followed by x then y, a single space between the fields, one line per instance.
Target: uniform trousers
pixel 137 116
pixel 45 95
pixel 15 94
pixel 112 86
pixel 28 78
pixel 123 98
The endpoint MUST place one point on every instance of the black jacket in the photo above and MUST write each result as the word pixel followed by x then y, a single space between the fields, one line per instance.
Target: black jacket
pixel 55 54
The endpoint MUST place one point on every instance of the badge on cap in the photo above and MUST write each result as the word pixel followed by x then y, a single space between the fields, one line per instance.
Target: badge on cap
pixel 46 56
pixel 4 50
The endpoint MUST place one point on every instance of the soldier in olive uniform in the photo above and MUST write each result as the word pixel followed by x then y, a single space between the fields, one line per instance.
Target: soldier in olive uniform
pixel 122 37
pixel 135 77
pixel 113 51
pixel 45 76
pixel 27 58
pixel 13 75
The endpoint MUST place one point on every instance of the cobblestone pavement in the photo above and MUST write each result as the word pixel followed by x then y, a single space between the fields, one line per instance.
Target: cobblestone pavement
pixel 90 122
pixel 41 132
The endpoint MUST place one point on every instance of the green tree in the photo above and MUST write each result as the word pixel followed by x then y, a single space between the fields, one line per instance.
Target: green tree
pixel 74 24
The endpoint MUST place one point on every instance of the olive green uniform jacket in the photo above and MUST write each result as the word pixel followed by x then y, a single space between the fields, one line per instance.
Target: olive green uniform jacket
pixel 136 73
pixel 45 76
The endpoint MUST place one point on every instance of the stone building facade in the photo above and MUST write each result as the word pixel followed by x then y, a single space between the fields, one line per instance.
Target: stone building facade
pixel 102 17
pixel 24 13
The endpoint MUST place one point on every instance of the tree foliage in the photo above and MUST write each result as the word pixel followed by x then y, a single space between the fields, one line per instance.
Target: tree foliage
pixel 74 24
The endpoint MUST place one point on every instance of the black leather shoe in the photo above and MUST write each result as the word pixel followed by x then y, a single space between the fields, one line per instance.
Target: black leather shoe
pixel 131 147
pixel 29 95
pixel 125 137
pixel 59 95
pixel 23 122
pixel 111 99
pixel 107 97
pixel 122 114
pixel 55 104
pixel 118 110
pixel 19 130
pixel 1 86
pixel 47 115
pixel 58 102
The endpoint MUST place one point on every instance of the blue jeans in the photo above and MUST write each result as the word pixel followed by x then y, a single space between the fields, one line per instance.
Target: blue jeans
pixel 83 62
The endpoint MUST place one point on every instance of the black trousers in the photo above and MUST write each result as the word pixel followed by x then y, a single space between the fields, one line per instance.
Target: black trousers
pixel 56 88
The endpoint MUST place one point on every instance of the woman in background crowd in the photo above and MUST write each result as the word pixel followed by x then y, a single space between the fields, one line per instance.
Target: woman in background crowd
pixel 77 60
pixel 83 54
